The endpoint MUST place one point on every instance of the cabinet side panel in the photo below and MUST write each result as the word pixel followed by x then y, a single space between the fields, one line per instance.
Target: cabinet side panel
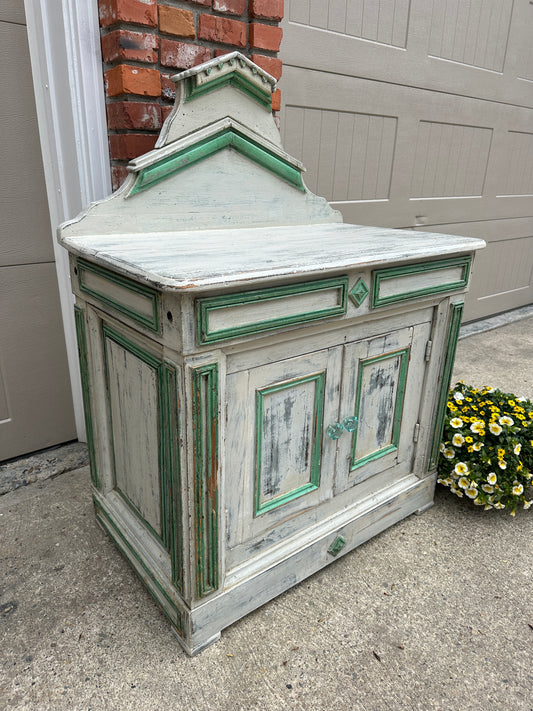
pixel 85 384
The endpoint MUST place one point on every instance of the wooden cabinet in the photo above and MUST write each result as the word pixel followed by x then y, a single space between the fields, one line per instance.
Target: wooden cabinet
pixel 261 395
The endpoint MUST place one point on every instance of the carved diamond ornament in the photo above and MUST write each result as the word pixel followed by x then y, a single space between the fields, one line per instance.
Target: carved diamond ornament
pixel 359 292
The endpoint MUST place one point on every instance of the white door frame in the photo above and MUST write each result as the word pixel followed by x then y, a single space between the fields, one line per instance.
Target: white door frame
pixel 64 40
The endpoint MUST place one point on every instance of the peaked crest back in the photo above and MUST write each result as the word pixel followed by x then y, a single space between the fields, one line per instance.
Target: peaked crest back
pixel 218 162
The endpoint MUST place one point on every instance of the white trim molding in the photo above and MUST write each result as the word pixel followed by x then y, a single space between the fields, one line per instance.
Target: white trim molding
pixel 66 62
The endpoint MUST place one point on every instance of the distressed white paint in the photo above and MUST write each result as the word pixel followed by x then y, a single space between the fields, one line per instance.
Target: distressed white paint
pixel 408 283
pixel 219 227
pixel 110 290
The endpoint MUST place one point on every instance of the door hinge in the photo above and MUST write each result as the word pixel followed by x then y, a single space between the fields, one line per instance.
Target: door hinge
pixel 429 346
pixel 416 432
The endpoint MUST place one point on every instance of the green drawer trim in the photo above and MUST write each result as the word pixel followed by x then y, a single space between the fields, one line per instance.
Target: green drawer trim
pixel 398 405
pixel 79 317
pixel 318 416
pixel 205 458
pixel 140 567
pixel 446 375
pixel 262 96
pixel 381 275
pixel 149 321
pixel 228 137
pixel 206 305
pixel 170 435
pixel 163 537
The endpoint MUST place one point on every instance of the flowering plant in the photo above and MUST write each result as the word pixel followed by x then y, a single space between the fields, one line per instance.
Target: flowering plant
pixel 487 448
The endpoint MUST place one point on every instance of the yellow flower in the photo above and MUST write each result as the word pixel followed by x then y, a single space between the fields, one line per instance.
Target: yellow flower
pixel 457 439
pixel 470 449
pixel 456 422
pixel 506 420
pixel 501 453
pixel 469 439
pixel 494 428
pixel 511 403
pixel 461 468
pixel 517 489
pixel 492 478
pixel 521 417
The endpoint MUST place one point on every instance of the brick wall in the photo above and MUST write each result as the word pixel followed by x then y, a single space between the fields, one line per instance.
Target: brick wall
pixel 145 42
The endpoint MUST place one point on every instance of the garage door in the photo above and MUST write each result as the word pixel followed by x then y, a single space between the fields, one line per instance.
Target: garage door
pixel 419 114
pixel 35 394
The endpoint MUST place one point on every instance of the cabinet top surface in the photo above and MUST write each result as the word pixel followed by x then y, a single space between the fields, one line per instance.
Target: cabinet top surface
pixel 200 260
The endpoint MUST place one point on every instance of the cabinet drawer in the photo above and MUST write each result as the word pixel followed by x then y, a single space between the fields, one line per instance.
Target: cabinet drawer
pixel 138 302
pixel 220 318
pixel 397 284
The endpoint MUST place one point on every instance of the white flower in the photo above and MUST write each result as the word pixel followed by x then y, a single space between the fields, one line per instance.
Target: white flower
pixel 463 482
pixel 487 488
pixel 458 439
pixel 471 493
pixel 457 492
pixel 456 422
pixel 461 468
pixel 441 448
pixel 492 478
pixel 521 399
pixel 517 489
pixel 517 449
pixel 449 453
pixel 499 505
pixel 502 464
pixel 477 426
pixel 487 507
pixel 527 504
pixel 506 420
pixel 495 428
pixel 458 397
pixel 477 446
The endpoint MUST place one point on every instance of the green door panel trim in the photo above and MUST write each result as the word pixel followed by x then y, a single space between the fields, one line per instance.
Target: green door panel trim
pixel 446 375
pixel 206 305
pixel 380 275
pixel 262 96
pixel 151 322
pixel 318 416
pixel 205 457
pixel 404 355
pixel 226 138
pixel 79 316
pixel 140 567
pixel 163 428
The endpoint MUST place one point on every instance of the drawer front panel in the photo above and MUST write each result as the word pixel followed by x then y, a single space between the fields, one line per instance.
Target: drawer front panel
pixel 397 284
pixel 220 318
pixel 138 302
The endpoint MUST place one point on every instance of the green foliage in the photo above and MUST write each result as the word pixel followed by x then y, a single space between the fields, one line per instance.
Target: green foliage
pixel 487 448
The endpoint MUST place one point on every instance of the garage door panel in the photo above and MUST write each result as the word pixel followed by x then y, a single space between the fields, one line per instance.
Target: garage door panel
pixel 451 46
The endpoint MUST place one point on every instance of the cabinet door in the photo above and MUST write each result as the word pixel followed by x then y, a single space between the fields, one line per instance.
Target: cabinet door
pixel 382 387
pixel 276 465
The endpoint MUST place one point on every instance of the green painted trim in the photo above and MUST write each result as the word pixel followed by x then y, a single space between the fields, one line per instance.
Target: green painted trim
pixel 207 304
pixel 359 292
pixel 173 474
pixel 381 275
pixel 79 317
pixel 155 363
pixel 337 545
pixel 318 416
pixel 446 375
pixel 228 137
pixel 205 458
pixel 404 354
pixel 235 79
pixel 151 322
pixel 132 556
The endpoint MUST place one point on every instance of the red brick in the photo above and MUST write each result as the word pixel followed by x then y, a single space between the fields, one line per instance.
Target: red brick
pixel 125 146
pixel 138 12
pixel 276 100
pixel 165 110
pixel 119 173
pixel 266 9
pixel 230 7
pixel 222 30
pixel 178 22
pixel 135 46
pixel 182 55
pixel 134 115
pixel 168 88
pixel 124 79
pixel 265 36
pixel 270 64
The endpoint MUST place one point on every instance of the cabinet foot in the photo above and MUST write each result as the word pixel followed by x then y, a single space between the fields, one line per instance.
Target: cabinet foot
pixel 424 508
